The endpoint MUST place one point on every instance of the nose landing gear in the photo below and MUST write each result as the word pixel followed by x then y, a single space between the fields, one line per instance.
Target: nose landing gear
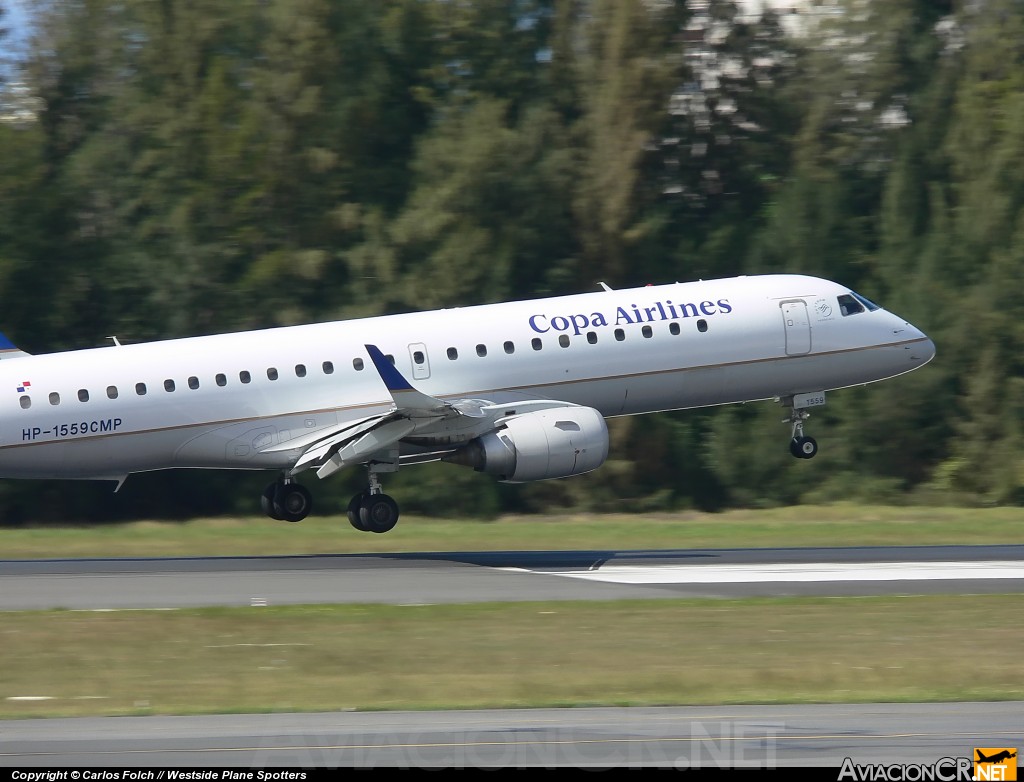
pixel 801 446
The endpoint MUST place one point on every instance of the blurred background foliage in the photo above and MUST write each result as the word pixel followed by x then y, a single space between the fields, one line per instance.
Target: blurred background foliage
pixel 191 166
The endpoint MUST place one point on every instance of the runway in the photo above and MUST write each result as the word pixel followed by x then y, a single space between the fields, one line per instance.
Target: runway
pixel 673 738
pixel 461 577
pixel 670 737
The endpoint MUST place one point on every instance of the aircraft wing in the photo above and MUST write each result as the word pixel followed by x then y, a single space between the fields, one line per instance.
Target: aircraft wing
pixel 356 442
pixel 406 397
pixel 440 422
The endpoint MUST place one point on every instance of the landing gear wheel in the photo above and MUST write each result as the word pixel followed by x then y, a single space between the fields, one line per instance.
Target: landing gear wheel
pixel 292 502
pixel 378 513
pixel 353 512
pixel 803 447
pixel 267 501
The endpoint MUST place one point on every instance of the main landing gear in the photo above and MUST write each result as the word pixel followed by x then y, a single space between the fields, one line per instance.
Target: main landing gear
pixel 286 500
pixel 369 511
pixel 372 510
pixel 801 446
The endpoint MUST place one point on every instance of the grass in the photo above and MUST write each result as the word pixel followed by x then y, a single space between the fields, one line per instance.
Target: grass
pixel 839 525
pixel 299 658
pixel 926 648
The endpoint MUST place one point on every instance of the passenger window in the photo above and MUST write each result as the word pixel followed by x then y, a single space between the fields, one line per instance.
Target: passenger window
pixel 592 337
pixel 83 395
pixel 221 380
pixel 453 353
pixel 510 348
pixel 54 398
pixel 702 325
pixel 481 350
pixel 26 402
pixel 357 364
pixel 619 335
pixel 300 370
pixel 140 389
pixel 647 331
pixel 390 358
pixel 193 382
pixel 111 392
pixel 328 368
pixel 418 357
pixel 168 385
pixel 271 373
pixel 563 340
pixel 244 376
pixel 536 343
pixel 673 328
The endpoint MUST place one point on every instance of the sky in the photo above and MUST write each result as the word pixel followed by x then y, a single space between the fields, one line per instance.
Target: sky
pixel 15 20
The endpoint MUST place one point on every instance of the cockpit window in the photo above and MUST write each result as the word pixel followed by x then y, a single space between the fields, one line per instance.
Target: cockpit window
pixel 871 306
pixel 849 305
pixel 853 303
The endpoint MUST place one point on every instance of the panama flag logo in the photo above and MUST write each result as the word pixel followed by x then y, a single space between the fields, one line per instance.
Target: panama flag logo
pixel 25 386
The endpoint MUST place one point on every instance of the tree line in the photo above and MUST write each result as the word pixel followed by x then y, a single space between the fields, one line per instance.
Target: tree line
pixel 170 169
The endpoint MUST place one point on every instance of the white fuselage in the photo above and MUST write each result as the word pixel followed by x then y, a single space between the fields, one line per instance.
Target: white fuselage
pixel 111 411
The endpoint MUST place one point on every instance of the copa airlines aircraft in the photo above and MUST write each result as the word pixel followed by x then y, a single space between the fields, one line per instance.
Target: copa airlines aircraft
pixel 518 390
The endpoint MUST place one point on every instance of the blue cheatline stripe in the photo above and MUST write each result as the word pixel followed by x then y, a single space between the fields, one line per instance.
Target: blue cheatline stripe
pixel 5 343
pixel 392 377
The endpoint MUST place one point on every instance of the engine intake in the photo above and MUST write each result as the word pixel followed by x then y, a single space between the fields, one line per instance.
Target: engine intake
pixel 554 443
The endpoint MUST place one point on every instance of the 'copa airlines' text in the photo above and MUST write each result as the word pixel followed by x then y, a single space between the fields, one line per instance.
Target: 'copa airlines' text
pixel 660 310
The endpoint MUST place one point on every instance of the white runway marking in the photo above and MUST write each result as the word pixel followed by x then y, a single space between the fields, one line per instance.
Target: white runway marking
pixel 823 571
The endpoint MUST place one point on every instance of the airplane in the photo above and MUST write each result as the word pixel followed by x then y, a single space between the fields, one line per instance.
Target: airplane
pixel 999 757
pixel 518 390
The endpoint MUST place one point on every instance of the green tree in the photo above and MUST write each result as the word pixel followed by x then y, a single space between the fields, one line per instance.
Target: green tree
pixel 625 75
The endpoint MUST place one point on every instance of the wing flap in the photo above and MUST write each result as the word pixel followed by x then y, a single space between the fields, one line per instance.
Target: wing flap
pixel 332 434
pixel 331 445
pixel 359 450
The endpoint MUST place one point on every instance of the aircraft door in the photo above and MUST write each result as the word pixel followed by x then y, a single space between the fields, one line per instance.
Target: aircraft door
pixel 420 361
pixel 798 327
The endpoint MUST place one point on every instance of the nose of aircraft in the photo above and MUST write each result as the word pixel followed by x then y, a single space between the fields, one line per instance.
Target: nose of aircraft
pixel 922 348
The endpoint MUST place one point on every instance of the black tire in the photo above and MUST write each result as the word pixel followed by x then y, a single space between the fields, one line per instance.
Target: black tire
pixel 378 513
pixel 353 512
pixel 292 502
pixel 804 447
pixel 267 501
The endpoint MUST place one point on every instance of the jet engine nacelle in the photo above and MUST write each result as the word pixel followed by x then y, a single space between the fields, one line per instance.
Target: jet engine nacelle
pixel 553 443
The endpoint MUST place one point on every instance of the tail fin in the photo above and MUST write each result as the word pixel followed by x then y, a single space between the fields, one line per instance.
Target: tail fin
pixel 8 349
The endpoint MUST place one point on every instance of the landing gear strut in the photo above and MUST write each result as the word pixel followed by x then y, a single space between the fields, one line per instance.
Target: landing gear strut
pixel 800 446
pixel 372 510
pixel 286 500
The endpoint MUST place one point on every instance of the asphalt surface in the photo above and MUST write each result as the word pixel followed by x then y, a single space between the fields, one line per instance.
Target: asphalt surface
pixel 461 577
pixel 677 738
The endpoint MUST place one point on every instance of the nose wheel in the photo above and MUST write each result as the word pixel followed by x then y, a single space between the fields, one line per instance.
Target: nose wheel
pixel 803 447
pixel 800 445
